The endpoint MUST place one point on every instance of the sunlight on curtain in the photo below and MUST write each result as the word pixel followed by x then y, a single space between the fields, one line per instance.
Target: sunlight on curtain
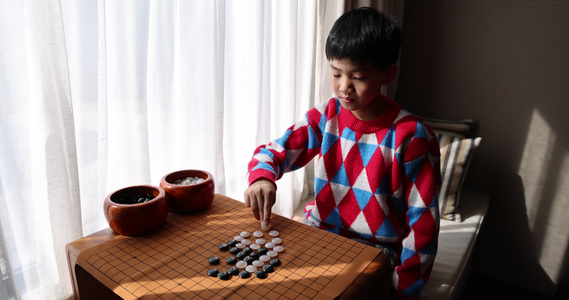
pixel 98 95
pixel 163 86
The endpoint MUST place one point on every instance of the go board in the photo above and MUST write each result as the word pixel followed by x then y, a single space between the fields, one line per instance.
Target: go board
pixel 172 262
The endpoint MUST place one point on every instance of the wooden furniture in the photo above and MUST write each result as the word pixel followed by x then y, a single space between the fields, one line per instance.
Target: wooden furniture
pixel 172 261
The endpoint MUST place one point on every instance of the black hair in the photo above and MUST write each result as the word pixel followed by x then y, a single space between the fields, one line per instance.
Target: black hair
pixel 365 35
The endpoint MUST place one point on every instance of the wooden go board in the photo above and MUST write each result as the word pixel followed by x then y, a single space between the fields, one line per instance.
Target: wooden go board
pixel 172 262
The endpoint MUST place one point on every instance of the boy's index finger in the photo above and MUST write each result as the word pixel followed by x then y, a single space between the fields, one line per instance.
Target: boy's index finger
pixel 266 219
pixel 255 208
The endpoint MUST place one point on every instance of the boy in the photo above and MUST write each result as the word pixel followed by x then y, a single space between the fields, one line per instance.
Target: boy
pixel 377 174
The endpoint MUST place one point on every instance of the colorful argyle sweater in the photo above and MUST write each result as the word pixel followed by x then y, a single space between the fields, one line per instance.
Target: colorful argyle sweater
pixel 374 179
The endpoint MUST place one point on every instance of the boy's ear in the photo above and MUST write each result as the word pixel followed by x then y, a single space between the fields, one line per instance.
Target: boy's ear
pixel 389 74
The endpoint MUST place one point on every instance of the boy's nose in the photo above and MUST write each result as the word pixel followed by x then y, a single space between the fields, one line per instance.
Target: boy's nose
pixel 346 86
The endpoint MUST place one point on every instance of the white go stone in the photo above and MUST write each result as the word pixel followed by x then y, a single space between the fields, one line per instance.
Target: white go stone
pixel 238 238
pixel 255 246
pixel 240 245
pixel 265 226
pixel 258 263
pixel 264 258
pixel 270 245
pixel 272 253
pixel 278 248
pixel 277 240
pixel 246 242
pixel 260 241
pixel 241 264
pixel 273 233
pixel 250 268
pixel 245 234
pixel 258 233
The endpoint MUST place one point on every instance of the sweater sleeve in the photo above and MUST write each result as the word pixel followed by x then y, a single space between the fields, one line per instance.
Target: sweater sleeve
pixel 420 183
pixel 299 144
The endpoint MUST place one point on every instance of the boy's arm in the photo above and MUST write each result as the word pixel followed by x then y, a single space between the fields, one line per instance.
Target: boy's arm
pixel 421 183
pixel 293 150
pixel 299 144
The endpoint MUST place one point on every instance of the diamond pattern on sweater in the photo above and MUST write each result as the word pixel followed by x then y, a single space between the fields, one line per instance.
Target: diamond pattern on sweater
pixel 349 134
pixel 346 146
pixel 275 146
pixel 282 140
pixel 265 166
pixel 386 229
pixel 372 215
pixel 414 213
pixel 339 191
pixel 368 146
pixel 349 209
pixel 420 132
pixel 341 177
pixel 361 226
pixel 319 184
pixel 334 218
pixel 362 197
pixel 362 183
pixel 313 142
pixel 412 168
pixel 382 202
pixel 431 249
pixel 415 288
pixel 366 152
pixel 328 141
pixel 291 156
pixel 418 201
pixel 408 247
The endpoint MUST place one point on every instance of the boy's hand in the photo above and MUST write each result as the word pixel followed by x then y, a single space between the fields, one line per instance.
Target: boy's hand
pixel 261 196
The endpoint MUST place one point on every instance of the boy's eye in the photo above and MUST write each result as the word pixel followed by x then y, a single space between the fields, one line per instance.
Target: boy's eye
pixel 336 75
pixel 360 78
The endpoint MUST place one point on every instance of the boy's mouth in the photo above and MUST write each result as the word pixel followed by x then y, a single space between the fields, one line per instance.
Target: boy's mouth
pixel 347 99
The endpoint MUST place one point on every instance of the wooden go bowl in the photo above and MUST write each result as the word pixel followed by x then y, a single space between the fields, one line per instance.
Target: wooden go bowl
pixel 139 218
pixel 188 198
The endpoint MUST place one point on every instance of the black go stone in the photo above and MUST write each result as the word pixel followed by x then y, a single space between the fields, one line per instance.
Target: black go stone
pixel 214 260
pixel 212 272
pixel 255 255
pixel 244 274
pixel 233 271
pixel 223 247
pixel 223 276
pixel 268 268
pixel 231 260
pixel 263 251
pixel 259 274
pixel 241 255
pixel 232 243
pixel 234 250
pixel 134 199
pixel 275 262
pixel 247 250
pixel 249 260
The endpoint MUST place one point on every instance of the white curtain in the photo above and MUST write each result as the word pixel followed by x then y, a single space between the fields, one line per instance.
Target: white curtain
pixel 97 95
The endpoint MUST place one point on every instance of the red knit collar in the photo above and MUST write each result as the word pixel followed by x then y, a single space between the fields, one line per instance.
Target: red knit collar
pixel 381 122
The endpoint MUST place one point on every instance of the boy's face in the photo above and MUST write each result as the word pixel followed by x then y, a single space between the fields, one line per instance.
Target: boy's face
pixel 358 87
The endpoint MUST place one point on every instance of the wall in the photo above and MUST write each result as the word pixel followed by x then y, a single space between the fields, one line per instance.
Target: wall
pixel 506 64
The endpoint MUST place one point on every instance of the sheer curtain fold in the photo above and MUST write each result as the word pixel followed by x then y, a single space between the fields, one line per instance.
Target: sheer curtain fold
pixel 40 188
pixel 97 95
